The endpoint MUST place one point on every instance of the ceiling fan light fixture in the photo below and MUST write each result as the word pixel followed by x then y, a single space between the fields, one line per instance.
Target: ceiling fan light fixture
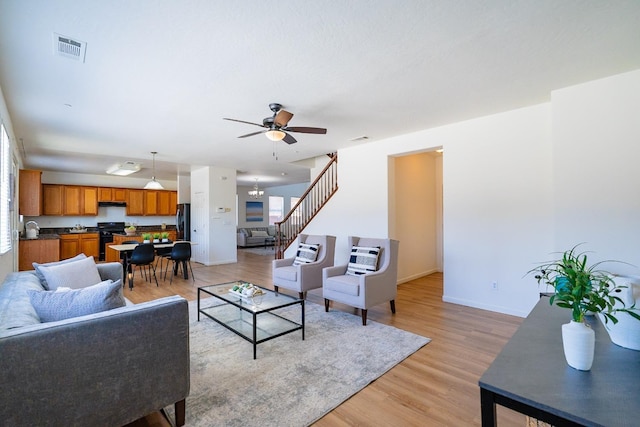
pixel 275 135
pixel 154 184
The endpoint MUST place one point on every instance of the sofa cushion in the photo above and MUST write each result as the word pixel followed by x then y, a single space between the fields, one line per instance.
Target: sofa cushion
pixel 349 285
pixel 76 274
pixel 288 272
pixel 259 233
pixel 363 260
pixel 55 305
pixel 307 253
pixel 37 266
pixel 16 310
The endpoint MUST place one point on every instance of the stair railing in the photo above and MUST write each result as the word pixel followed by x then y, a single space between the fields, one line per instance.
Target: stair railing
pixel 310 203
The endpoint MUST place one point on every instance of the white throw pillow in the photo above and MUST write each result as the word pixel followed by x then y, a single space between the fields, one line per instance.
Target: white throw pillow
pixel 53 305
pixel 74 275
pixel 259 233
pixel 363 260
pixel 306 254
pixel 37 266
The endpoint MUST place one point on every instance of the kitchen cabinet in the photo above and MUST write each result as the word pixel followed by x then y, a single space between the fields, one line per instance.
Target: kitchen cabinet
pixel 79 200
pixel 30 192
pixel 108 194
pixel 135 202
pixel 165 205
pixel 37 250
pixel 151 202
pixel 52 199
pixel 74 244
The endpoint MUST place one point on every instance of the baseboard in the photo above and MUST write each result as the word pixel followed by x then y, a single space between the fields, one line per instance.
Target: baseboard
pixel 488 307
pixel 417 276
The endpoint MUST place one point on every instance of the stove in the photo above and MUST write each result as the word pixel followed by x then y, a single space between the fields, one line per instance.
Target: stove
pixel 106 230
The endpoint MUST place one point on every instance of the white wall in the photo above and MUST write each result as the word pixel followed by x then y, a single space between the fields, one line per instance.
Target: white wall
pixel 596 155
pixel 213 188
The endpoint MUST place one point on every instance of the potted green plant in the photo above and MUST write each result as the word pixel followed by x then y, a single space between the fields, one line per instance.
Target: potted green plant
pixel 146 237
pixel 156 237
pixel 583 289
pixel 165 236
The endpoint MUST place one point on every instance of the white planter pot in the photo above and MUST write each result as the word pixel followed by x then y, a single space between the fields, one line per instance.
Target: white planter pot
pixel 579 341
pixel 146 241
pixel 625 333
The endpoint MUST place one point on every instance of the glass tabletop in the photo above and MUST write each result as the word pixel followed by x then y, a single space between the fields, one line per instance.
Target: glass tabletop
pixel 267 301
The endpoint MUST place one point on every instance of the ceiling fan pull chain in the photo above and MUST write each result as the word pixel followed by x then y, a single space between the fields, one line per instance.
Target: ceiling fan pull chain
pixel 275 150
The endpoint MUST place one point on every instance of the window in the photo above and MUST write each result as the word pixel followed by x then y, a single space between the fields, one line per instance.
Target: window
pixel 276 209
pixel 5 194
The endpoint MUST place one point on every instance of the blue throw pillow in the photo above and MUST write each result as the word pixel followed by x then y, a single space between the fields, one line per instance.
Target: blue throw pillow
pixel 59 305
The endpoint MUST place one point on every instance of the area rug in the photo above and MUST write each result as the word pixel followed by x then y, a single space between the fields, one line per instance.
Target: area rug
pixel 268 251
pixel 292 382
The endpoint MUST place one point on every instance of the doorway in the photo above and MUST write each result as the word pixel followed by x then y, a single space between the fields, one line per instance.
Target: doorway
pixel 416 212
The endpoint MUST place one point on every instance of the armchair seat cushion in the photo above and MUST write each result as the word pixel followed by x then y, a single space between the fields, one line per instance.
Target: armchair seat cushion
pixel 349 285
pixel 287 273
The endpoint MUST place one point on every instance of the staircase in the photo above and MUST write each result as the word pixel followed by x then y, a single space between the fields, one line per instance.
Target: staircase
pixel 310 203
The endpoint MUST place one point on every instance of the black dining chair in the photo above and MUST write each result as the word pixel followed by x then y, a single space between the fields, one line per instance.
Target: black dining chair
pixel 180 255
pixel 162 254
pixel 143 256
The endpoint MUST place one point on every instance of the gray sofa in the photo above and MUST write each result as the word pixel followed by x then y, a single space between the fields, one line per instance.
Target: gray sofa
pixel 104 369
pixel 246 236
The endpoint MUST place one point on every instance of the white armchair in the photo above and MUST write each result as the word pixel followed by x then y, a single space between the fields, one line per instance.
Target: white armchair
pixel 359 289
pixel 306 276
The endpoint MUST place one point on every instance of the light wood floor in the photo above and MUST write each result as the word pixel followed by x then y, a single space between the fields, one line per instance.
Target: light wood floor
pixel 436 386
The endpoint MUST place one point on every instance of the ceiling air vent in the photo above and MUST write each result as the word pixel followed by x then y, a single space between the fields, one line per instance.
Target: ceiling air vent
pixel 68 47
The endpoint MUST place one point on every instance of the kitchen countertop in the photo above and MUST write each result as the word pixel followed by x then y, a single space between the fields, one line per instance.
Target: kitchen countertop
pixel 46 236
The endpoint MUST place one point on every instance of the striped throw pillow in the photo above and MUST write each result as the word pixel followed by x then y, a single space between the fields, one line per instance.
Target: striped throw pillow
pixel 363 260
pixel 306 253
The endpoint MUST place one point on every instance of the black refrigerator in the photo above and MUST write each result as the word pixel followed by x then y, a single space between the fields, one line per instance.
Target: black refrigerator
pixel 183 221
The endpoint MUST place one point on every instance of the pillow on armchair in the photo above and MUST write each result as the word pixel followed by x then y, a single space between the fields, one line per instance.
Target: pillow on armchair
pixel 363 260
pixel 306 253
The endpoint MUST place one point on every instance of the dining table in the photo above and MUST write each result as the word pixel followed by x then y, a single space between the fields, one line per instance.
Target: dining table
pixel 127 249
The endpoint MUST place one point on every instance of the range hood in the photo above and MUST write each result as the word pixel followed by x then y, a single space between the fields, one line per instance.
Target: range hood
pixel 118 204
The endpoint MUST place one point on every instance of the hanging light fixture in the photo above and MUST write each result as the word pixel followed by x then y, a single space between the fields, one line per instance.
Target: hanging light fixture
pixel 275 135
pixel 256 193
pixel 154 184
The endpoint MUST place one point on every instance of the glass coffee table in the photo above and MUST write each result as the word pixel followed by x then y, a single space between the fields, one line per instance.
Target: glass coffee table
pixel 253 318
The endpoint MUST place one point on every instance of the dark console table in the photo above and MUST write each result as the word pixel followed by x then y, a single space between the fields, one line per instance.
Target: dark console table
pixel 531 376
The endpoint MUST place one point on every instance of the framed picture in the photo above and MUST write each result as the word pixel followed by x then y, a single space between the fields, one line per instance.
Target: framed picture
pixel 254 211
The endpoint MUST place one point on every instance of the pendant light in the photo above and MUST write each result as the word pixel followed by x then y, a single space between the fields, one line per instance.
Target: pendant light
pixel 154 184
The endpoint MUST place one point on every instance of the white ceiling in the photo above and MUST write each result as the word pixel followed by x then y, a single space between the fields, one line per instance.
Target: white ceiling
pixel 161 75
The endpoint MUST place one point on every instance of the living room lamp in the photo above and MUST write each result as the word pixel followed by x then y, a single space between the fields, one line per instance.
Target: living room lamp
pixel 256 193
pixel 275 134
pixel 154 184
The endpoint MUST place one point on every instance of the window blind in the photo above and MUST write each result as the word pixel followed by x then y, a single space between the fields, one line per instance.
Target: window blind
pixel 5 191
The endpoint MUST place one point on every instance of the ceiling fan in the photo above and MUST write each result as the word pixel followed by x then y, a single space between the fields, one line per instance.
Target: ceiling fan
pixel 276 128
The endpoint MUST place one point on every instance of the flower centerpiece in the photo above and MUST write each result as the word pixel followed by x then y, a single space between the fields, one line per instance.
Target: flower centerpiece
pixel 583 289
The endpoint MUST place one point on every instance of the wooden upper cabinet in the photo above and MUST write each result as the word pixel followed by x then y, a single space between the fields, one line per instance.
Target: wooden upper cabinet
pixel 30 193
pixel 71 200
pixel 89 201
pixel 52 199
pixel 108 194
pixel 164 203
pixel 135 202
pixel 119 194
pixel 105 194
pixel 151 202
pixel 173 202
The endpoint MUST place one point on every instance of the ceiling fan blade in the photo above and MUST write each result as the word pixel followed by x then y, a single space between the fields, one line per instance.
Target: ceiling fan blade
pixel 307 130
pixel 282 118
pixel 289 139
pixel 242 121
pixel 252 133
